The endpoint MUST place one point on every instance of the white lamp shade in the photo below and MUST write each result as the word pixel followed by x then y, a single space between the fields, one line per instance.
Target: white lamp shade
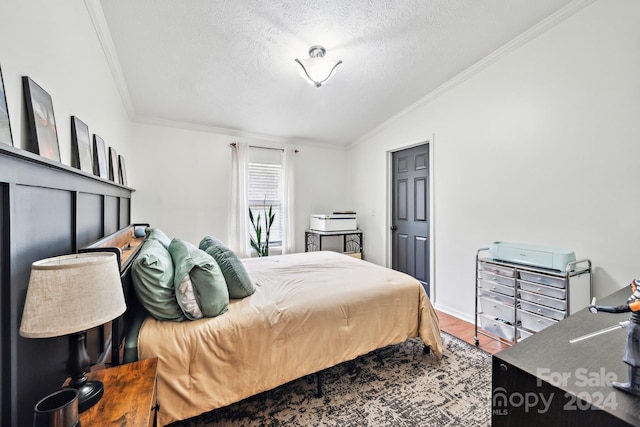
pixel 72 293
pixel 317 69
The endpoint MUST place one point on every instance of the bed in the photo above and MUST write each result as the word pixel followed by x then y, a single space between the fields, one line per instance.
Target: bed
pixel 310 311
pixel 71 211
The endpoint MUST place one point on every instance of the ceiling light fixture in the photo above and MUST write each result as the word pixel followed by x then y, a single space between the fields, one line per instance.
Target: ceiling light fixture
pixel 317 69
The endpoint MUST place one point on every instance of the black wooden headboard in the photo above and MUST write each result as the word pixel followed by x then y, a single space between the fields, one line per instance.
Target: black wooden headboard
pixel 47 209
pixel 105 343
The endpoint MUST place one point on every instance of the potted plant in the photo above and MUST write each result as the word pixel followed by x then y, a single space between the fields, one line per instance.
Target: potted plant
pixel 261 247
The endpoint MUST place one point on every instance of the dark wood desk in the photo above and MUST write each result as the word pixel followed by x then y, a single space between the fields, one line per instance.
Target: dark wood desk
pixel 545 380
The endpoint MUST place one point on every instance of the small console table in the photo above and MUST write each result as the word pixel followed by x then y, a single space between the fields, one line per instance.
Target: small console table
pixel 351 240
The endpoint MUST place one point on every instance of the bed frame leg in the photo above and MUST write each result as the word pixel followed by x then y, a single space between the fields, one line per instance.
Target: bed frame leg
pixel 319 381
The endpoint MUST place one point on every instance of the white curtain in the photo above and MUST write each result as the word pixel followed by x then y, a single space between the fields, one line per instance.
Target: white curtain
pixel 288 201
pixel 239 221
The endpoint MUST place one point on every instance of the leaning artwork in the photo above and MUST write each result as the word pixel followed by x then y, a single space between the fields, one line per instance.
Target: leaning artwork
pixel 81 156
pixel 5 125
pixel 43 135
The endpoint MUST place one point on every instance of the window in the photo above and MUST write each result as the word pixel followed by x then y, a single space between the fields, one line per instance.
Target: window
pixel 265 189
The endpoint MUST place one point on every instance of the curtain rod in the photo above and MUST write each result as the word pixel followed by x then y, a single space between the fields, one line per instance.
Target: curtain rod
pixel 233 144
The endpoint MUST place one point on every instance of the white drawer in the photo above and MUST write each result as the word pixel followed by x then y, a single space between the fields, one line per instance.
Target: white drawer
pixel 533 322
pixel 524 334
pixel 496 269
pixel 496 327
pixel 541 310
pixel 529 276
pixel 549 291
pixel 496 278
pixel 558 304
pixel 504 299
pixel 496 309
pixel 492 286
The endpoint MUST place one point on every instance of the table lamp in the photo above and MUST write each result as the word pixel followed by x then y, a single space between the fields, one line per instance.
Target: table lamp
pixel 68 295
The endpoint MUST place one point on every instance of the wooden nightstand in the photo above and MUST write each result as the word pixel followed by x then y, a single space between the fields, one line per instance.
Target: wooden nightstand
pixel 129 396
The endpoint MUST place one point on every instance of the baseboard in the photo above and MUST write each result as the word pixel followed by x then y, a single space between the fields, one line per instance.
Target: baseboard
pixel 456 313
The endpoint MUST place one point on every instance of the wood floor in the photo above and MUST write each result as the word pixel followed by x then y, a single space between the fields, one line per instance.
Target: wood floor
pixel 466 331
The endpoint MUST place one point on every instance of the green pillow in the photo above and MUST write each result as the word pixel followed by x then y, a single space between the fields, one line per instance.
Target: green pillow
pixel 208 282
pixel 152 272
pixel 235 274
pixel 157 234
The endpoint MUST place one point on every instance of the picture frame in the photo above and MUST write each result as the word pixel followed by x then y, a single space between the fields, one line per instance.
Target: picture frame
pixel 81 153
pixel 113 164
pixel 41 121
pixel 6 137
pixel 99 158
pixel 122 171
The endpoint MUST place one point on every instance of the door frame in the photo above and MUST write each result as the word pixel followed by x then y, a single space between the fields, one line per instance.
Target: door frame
pixel 389 210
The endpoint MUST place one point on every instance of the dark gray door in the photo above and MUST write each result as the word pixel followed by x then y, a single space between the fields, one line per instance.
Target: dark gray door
pixel 410 220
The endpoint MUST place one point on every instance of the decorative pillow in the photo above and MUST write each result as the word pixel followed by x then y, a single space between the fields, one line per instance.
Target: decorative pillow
pixel 187 299
pixel 158 234
pixel 235 274
pixel 208 282
pixel 152 272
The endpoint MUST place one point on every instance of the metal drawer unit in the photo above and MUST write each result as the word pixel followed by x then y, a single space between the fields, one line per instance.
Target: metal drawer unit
pixel 514 301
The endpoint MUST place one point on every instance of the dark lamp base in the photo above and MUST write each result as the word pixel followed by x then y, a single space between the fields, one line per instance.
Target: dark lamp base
pixel 89 394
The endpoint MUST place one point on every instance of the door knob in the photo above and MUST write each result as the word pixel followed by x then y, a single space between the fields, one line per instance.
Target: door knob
pixel 394 228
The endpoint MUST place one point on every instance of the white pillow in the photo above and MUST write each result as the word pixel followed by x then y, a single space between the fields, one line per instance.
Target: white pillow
pixel 187 298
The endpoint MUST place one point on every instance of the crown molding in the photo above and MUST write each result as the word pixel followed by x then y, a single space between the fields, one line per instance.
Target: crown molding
pixel 199 127
pixel 104 36
pixel 535 31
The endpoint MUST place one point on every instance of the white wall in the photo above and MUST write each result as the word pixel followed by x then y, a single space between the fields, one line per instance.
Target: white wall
pixel 183 182
pixel 55 44
pixel 540 146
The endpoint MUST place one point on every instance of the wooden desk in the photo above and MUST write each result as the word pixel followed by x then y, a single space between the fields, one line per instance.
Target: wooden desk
pixel 129 397
pixel 545 380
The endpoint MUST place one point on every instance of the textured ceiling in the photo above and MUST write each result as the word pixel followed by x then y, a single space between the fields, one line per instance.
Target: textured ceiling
pixel 230 64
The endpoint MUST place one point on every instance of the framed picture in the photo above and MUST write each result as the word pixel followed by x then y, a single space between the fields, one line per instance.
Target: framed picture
pixel 122 171
pixel 113 164
pixel 43 135
pixel 5 124
pixel 99 158
pixel 81 156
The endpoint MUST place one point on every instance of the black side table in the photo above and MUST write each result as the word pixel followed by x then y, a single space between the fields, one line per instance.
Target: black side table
pixel 351 240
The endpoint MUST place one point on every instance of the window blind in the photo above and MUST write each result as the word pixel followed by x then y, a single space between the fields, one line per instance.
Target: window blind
pixel 264 190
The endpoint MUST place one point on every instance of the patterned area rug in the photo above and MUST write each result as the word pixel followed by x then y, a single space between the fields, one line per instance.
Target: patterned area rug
pixel 397 385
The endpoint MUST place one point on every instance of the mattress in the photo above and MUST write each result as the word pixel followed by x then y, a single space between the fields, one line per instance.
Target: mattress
pixel 310 311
